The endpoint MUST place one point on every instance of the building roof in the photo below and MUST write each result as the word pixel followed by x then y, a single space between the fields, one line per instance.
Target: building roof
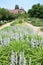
pixel 15 11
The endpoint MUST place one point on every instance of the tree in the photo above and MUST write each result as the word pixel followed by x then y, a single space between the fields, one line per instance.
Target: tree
pixel 16 6
pixel 6 15
pixel 36 11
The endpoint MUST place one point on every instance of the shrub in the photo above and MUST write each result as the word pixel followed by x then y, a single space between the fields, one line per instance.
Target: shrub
pixel 41 29
pixel 1 22
pixel 36 21
pixel 20 21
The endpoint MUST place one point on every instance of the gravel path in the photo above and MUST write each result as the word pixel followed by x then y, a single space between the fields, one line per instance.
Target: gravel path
pixel 5 25
pixel 36 29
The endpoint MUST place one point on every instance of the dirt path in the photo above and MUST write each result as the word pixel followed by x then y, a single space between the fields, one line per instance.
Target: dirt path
pixel 35 29
pixel 5 25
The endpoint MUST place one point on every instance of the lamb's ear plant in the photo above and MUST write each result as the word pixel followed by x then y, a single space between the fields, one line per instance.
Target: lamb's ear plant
pixel 19 40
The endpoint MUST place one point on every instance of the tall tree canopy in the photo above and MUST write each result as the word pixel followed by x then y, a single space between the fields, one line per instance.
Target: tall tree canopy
pixel 36 11
pixel 6 15
pixel 16 6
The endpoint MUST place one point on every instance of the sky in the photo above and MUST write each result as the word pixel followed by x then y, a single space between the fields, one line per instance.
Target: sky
pixel 26 4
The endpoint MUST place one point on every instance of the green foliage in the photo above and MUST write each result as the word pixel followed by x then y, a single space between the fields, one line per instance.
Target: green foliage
pixel 1 23
pixel 36 11
pixel 36 21
pixel 20 21
pixel 17 46
pixel 17 21
pixel 5 55
pixel 41 29
pixel 6 15
pixel 16 7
